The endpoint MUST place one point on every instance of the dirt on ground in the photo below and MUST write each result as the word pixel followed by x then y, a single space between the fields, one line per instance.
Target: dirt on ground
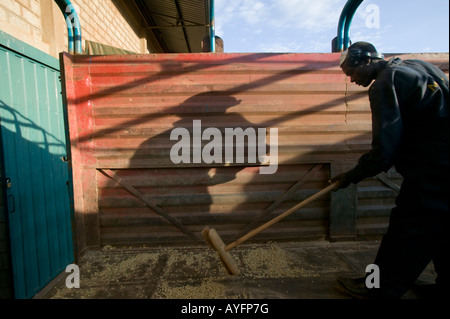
pixel 273 270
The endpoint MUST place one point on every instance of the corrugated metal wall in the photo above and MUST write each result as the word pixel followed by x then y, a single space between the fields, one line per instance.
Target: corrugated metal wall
pixel 6 290
pixel 33 141
pixel 122 110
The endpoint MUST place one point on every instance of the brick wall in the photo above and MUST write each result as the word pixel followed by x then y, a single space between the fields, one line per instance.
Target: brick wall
pixel 102 22
pixel 41 24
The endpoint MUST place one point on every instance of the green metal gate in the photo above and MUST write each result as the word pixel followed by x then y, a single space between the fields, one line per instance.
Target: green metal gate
pixel 36 179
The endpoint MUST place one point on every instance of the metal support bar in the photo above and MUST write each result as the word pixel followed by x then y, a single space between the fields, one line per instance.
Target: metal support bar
pixel 343 207
pixel 111 174
pixel 180 19
pixel 146 15
pixel 386 181
pixel 174 26
pixel 283 197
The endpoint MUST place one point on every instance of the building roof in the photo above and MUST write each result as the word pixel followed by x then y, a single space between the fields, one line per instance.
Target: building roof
pixel 178 25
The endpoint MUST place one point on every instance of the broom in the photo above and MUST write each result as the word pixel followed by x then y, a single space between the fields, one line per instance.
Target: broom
pixel 215 241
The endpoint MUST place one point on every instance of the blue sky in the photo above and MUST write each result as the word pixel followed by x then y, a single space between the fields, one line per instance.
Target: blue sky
pixel 310 25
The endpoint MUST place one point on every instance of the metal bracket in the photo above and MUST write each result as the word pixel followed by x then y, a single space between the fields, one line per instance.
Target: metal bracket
pixel 288 193
pixel 111 174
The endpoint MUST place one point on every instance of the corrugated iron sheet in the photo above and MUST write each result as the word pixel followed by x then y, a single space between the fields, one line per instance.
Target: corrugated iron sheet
pixel 122 110
pixel 38 239
pixel 181 24
pixel 375 201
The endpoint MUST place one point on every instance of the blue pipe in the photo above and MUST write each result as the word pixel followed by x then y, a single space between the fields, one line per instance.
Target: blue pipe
pixel 343 40
pixel 340 30
pixel 77 28
pixel 69 25
pixel 212 32
pixel 348 22
pixel 73 26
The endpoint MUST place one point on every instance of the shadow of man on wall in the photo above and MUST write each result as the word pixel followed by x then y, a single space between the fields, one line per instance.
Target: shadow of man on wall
pixel 208 144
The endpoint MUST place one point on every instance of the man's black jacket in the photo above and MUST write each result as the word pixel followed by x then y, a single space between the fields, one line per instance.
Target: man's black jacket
pixel 410 123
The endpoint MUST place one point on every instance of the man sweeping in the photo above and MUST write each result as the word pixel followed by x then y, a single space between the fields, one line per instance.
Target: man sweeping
pixel 409 100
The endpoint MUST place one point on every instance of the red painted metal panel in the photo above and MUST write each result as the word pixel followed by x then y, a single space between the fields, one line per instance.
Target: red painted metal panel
pixel 122 110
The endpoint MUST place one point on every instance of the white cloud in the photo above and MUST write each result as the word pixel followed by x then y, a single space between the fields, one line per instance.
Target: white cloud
pixel 283 15
pixel 309 26
pixel 254 12
pixel 310 16
pixel 274 47
pixel 277 25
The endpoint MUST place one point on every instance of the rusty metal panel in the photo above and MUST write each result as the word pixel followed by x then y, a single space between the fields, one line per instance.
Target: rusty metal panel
pixel 375 201
pixel 227 200
pixel 123 110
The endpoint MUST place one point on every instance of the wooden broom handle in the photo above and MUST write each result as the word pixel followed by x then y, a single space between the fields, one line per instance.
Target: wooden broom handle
pixel 281 216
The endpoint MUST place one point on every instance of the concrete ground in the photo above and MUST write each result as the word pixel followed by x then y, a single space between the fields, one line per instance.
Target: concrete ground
pixel 300 270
